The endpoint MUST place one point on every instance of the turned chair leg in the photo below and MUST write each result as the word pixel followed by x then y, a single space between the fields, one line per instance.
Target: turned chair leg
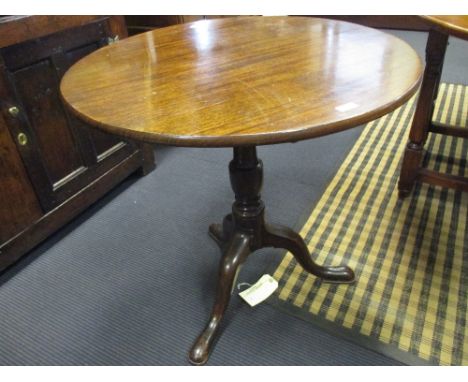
pixel 412 158
pixel 235 254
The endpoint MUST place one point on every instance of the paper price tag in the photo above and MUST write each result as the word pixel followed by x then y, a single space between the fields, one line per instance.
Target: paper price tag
pixel 260 291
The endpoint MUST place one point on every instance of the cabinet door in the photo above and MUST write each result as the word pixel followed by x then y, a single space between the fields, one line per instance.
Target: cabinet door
pixel 18 203
pixel 61 153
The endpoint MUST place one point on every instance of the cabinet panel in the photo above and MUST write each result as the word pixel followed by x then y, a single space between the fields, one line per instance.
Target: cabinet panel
pixel 16 29
pixel 37 91
pixel 25 53
pixel 101 141
pixel 18 204
pixel 62 154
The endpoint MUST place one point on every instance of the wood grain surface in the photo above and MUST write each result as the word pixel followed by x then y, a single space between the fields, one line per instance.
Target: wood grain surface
pixel 243 81
pixel 456 25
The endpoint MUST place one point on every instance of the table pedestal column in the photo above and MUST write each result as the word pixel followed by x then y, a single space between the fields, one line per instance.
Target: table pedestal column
pixel 245 231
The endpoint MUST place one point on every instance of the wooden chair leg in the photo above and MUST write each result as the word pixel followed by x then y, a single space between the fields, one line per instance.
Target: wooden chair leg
pixel 435 53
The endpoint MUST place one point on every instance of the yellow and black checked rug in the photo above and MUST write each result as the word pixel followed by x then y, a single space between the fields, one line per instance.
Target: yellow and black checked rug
pixel 410 257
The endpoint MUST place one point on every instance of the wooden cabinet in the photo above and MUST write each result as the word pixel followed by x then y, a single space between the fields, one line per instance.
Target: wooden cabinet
pixel 19 206
pixel 143 23
pixel 137 24
pixel 52 165
pixel 385 21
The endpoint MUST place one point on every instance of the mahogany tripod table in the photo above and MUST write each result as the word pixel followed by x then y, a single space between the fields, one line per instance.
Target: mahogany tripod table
pixel 243 82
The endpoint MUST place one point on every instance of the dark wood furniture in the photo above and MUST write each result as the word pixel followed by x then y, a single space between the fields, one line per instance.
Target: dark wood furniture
pixel 404 22
pixel 52 166
pixel 243 82
pixel 411 169
pixel 143 23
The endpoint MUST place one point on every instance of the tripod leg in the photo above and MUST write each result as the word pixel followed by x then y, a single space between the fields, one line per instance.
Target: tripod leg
pixel 284 237
pixel 235 254
pixel 221 233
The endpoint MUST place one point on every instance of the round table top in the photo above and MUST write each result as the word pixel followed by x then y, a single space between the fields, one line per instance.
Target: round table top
pixel 452 25
pixel 242 81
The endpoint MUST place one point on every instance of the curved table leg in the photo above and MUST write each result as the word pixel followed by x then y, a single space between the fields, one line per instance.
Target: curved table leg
pixel 235 254
pixel 284 237
pixel 221 233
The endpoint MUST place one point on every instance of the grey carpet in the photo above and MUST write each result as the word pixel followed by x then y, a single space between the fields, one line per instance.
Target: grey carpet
pixel 131 280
